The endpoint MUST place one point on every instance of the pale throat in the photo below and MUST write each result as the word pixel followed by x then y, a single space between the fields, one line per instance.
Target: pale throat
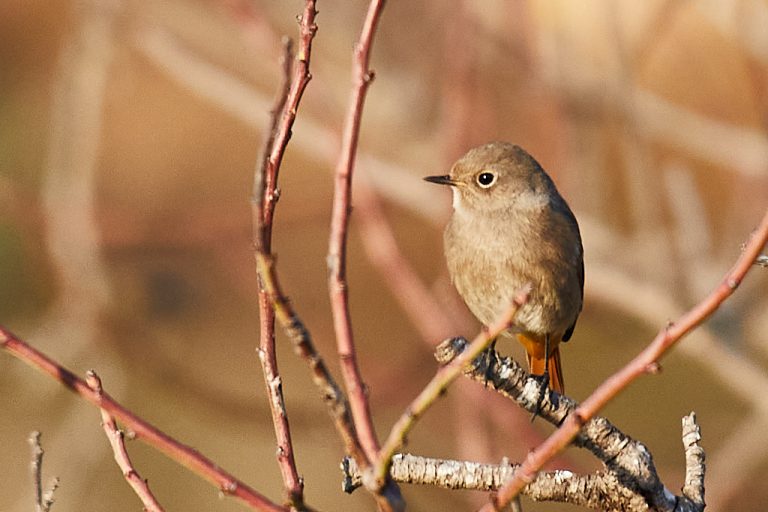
pixel 456 199
pixel 525 201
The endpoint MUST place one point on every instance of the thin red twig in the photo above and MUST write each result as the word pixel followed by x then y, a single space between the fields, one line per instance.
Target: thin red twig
pixel 299 81
pixel 337 284
pixel 265 196
pixel 644 362
pixel 286 461
pixel 148 433
pixel 117 442
pixel 273 302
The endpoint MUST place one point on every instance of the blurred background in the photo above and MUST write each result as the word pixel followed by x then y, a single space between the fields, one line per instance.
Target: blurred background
pixel 129 132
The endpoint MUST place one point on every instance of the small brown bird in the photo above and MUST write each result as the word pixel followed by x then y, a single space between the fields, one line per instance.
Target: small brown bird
pixel 510 227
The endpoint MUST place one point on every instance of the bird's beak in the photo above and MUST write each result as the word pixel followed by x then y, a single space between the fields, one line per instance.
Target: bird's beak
pixel 441 180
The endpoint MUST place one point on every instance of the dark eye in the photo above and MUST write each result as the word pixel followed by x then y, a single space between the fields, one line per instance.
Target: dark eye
pixel 486 179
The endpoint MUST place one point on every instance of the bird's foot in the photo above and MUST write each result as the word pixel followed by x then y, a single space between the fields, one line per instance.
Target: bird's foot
pixel 543 381
pixel 490 361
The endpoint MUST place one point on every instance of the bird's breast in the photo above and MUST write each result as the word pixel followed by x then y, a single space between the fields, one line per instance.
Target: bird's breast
pixel 491 260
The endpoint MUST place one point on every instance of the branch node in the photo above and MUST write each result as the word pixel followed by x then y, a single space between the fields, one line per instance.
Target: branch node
pixel 653 368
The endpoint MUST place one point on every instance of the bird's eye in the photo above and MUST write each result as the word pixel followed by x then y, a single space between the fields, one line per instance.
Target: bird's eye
pixel 486 179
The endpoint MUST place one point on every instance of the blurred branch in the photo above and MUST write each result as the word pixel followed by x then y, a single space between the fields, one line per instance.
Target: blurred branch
pixel 440 382
pixel 43 500
pixel 239 100
pixel 263 202
pixel 644 363
pixel 151 435
pixel 416 300
pixel 117 441
pixel 68 188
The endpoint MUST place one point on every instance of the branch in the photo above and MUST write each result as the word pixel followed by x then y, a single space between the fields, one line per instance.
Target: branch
pixel 388 497
pixel 151 435
pixel 117 441
pixel 272 299
pixel 693 489
pixel 645 362
pixel 439 383
pixel 263 204
pixel 598 491
pixel 337 245
pixel 282 133
pixel 43 500
pixel 627 460
pixel 622 455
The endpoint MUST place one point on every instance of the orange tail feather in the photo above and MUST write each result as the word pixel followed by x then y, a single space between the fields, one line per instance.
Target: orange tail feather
pixel 535 356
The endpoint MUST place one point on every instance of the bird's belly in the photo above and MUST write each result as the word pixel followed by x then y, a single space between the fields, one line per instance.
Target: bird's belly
pixel 488 281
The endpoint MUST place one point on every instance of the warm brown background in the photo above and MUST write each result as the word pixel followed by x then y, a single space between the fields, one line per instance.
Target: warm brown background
pixel 129 131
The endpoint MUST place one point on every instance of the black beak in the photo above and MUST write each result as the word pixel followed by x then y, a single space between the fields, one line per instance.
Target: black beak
pixel 440 180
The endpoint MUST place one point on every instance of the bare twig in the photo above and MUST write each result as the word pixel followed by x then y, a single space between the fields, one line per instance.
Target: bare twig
pixel 304 347
pixel 43 500
pixel 439 383
pixel 298 83
pixel 265 194
pixel 116 440
pixel 263 205
pixel 173 449
pixel 387 497
pixel 337 283
pixel 643 363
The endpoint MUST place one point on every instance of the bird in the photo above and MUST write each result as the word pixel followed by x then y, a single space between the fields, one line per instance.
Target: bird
pixel 510 228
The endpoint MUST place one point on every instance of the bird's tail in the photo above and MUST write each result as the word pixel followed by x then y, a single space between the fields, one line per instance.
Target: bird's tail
pixel 536 362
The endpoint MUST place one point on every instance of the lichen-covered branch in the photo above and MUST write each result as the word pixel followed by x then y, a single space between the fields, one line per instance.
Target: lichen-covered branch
pixel 623 456
pixel 599 491
pixel 607 490
pixel 693 489
pixel 43 499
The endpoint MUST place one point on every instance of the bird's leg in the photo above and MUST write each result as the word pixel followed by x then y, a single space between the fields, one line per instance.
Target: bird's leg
pixel 489 361
pixel 543 379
